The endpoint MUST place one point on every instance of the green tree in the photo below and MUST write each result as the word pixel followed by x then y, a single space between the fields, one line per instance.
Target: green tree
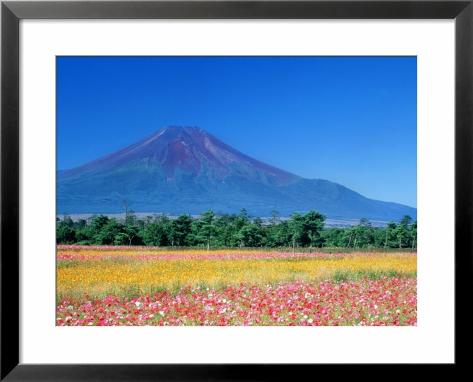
pixel 296 229
pixel 110 233
pixel 65 234
pixel 204 229
pixel 181 228
pixel 413 235
pixel 157 232
pixel 333 237
pixel 402 232
pixel 251 235
pixel 225 235
pixel 153 234
pixel 364 234
pixel 390 236
pixel 92 232
pixel 131 235
pixel 283 234
pixel 313 223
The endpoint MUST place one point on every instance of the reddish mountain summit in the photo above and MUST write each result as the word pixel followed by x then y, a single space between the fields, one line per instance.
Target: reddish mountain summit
pixel 190 150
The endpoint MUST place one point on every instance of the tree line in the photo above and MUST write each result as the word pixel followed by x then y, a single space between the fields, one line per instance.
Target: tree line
pixel 236 230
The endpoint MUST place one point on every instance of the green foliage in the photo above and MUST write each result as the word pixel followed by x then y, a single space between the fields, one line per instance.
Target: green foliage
pixel 157 232
pixel 235 230
pixel 65 234
pixel 251 235
pixel 180 230
pixel 203 230
pixel 312 227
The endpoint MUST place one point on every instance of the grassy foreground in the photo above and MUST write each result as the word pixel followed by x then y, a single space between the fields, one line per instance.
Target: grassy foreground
pixel 120 286
pixel 121 273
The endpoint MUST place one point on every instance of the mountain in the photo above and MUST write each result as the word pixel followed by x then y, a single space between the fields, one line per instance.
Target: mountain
pixel 187 170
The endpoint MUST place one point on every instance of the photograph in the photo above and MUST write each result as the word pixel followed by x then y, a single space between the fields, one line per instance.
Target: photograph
pixel 236 191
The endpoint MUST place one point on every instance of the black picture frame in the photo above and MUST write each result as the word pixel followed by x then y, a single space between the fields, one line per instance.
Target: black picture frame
pixel 14 11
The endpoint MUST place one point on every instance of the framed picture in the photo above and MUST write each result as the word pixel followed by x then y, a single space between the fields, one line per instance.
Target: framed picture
pixel 191 188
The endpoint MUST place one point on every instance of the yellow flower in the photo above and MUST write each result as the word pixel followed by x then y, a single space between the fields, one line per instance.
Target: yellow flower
pixel 121 272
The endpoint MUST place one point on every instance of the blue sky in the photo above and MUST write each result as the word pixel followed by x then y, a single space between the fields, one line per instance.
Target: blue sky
pixel 352 120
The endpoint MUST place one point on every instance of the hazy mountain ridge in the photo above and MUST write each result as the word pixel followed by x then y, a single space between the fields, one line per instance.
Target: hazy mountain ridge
pixel 187 170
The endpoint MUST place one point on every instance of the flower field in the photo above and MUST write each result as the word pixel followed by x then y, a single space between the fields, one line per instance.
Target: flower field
pixel 153 286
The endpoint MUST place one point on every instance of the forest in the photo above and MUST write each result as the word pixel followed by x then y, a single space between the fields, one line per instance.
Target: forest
pixel 234 231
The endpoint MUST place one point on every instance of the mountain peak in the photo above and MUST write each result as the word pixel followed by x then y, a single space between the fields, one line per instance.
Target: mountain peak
pixel 187 150
pixel 177 129
pixel 173 132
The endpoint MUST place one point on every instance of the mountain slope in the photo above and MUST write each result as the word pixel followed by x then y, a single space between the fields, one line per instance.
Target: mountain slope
pixel 187 170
